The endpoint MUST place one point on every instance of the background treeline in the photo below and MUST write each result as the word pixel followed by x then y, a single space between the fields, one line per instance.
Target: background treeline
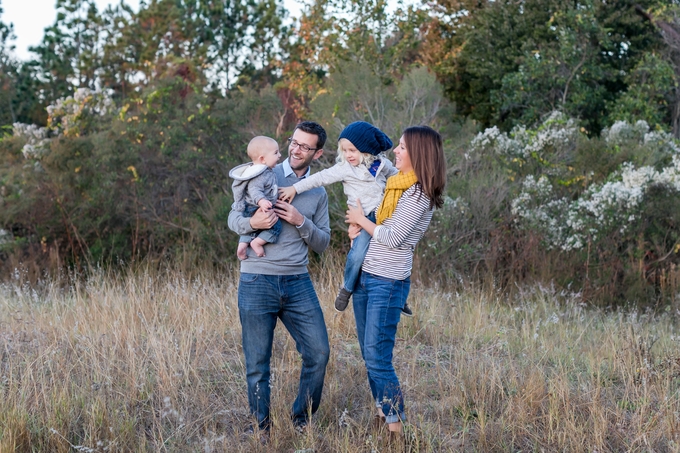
pixel 560 119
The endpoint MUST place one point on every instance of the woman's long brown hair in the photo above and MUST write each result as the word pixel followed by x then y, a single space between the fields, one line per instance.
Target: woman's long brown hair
pixel 426 150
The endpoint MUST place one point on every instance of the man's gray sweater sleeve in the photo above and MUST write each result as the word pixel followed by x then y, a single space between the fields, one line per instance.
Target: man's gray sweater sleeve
pixel 239 224
pixel 316 232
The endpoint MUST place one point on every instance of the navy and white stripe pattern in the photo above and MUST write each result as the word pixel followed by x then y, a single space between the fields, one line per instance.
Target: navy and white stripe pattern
pixel 390 253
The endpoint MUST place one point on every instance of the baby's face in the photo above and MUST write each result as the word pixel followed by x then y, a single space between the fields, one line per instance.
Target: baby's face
pixel 271 155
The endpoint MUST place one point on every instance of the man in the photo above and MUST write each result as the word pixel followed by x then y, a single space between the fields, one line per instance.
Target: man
pixel 277 285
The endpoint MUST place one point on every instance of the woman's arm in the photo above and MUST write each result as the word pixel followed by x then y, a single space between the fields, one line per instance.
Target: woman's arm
pixel 410 210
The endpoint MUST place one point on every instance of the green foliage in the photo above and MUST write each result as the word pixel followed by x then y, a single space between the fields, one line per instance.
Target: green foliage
pixel 651 89
pixel 510 63
pixel 345 36
pixel 151 180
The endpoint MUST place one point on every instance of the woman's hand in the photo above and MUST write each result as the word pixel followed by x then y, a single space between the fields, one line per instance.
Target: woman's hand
pixel 355 214
pixel 353 231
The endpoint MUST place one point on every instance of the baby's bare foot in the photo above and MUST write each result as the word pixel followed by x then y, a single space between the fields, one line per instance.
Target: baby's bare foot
pixel 257 247
pixel 241 251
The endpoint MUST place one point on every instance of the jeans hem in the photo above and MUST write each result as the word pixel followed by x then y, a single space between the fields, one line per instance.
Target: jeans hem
pixel 395 418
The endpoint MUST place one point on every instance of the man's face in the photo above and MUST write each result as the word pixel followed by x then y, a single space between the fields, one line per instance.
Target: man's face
pixel 298 159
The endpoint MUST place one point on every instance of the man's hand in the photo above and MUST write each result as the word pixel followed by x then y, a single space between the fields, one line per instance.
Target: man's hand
pixel 289 213
pixel 263 220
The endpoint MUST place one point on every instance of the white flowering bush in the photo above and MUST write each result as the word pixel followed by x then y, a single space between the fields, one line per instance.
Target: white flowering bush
pixel 5 237
pixel 603 208
pixel 71 116
pixel 639 133
pixel 37 140
pixel 622 132
pixel 553 141
pixel 597 212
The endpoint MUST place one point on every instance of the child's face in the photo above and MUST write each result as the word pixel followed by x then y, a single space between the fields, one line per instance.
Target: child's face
pixel 271 155
pixel 352 154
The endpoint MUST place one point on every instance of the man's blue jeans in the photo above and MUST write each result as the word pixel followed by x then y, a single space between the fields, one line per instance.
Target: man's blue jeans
pixel 262 300
pixel 355 257
pixel 378 302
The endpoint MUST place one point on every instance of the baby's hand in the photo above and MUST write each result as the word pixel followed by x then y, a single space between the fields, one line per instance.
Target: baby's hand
pixel 264 204
pixel 287 193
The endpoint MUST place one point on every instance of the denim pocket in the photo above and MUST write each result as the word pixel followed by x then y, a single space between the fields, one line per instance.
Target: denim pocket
pixel 248 278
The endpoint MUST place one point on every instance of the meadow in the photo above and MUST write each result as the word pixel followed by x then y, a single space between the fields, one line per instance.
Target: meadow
pixel 150 361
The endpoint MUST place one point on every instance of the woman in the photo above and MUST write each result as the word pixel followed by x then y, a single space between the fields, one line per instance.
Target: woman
pixel 401 220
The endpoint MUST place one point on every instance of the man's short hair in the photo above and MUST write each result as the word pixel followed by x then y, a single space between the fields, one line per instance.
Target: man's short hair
pixel 313 128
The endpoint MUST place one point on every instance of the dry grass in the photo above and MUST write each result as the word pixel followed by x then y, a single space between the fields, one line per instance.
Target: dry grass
pixel 151 361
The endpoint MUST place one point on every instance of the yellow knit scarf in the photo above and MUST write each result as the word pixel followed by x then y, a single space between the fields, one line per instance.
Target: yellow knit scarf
pixel 396 186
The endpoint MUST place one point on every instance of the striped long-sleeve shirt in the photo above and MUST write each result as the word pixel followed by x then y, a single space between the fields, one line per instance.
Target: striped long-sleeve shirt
pixel 390 253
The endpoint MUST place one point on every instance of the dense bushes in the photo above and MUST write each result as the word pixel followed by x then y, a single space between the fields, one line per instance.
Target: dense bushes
pixel 595 214
pixel 148 178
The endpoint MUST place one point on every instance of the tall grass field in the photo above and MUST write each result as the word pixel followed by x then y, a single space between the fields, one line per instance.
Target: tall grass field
pixel 150 361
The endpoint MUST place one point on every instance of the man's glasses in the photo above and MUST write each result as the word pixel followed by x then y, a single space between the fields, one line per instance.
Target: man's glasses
pixel 302 146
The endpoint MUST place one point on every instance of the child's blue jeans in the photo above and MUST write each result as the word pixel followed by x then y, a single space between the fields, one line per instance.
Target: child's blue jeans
pixel 270 236
pixel 355 257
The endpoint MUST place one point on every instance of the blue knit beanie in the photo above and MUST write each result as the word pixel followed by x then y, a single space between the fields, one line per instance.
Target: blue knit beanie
pixel 366 138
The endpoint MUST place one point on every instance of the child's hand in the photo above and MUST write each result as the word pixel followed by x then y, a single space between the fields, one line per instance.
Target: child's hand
pixel 264 204
pixel 287 193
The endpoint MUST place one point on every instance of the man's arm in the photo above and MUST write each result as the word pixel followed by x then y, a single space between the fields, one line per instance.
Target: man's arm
pixel 317 233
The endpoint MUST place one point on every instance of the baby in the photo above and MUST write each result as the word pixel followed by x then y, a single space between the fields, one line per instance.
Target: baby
pixel 255 188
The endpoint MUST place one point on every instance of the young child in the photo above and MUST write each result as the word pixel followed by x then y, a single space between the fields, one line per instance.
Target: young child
pixel 363 170
pixel 255 188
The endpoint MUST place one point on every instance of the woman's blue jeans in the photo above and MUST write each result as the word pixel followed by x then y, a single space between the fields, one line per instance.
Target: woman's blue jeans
pixel 262 300
pixel 377 308
pixel 355 257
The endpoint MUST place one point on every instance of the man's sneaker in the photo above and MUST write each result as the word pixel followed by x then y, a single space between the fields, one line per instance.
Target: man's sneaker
pixel 407 310
pixel 261 435
pixel 301 428
pixel 342 301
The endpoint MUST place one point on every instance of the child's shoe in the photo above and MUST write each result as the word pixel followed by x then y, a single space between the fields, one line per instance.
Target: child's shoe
pixel 406 310
pixel 342 301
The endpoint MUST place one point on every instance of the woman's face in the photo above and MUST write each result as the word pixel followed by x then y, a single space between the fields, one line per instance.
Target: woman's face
pixel 402 160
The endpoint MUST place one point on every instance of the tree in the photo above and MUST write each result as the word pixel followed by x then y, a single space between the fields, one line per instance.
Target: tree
pixel 651 93
pixel 7 74
pixel 507 62
pixel 666 19
pixel 346 36
pixel 69 55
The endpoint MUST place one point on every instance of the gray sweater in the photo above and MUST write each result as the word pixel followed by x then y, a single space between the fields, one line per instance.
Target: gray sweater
pixel 288 256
